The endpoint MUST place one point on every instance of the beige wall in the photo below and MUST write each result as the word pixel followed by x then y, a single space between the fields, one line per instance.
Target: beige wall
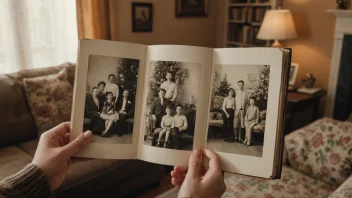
pixel 167 29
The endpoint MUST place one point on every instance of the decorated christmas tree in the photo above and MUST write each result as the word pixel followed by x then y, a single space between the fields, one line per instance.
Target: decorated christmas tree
pixel 262 89
pixel 223 89
pixel 159 76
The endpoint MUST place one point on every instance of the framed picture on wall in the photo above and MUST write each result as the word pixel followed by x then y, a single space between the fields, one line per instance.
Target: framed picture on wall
pixel 293 73
pixel 142 17
pixel 190 8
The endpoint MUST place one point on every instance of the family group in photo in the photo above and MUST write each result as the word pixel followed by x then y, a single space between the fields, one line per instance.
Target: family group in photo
pixel 166 116
pixel 109 106
pixel 240 115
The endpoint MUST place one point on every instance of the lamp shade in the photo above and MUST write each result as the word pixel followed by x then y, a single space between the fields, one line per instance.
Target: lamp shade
pixel 277 25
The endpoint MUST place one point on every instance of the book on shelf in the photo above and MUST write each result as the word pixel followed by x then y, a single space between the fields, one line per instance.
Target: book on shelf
pixel 179 94
pixel 247 14
pixel 238 1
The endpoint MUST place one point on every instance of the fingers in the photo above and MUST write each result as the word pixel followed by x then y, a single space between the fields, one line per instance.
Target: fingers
pixel 184 169
pixel 61 129
pixel 77 144
pixel 194 163
pixel 176 182
pixel 214 162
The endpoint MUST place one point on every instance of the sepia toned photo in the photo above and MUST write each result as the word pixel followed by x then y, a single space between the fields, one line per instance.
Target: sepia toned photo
pixel 110 98
pixel 238 109
pixel 173 92
pixel 142 17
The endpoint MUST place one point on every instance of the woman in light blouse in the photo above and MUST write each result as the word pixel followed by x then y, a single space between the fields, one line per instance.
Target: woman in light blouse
pixel 228 108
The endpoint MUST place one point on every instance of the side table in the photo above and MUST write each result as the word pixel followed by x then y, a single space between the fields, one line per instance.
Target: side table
pixel 298 102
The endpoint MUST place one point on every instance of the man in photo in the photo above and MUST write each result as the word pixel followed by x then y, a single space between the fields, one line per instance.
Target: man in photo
pixel 180 125
pixel 240 109
pixel 167 124
pixel 157 110
pixel 112 87
pixel 124 85
pixel 93 108
pixel 125 108
pixel 170 87
pixel 251 119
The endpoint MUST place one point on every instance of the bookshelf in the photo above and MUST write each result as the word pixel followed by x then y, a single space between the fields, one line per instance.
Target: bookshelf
pixel 243 20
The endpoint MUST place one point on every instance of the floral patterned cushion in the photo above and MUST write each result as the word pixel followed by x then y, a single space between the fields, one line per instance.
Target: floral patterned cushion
pixel 291 184
pixel 50 99
pixel 322 150
pixel 344 191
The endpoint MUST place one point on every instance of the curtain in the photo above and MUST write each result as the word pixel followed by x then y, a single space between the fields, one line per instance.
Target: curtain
pixel 37 33
pixel 96 19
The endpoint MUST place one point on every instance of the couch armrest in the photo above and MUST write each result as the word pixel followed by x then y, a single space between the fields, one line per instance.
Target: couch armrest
pixel 343 191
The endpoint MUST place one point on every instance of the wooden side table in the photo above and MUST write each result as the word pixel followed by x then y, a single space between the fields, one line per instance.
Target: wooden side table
pixel 298 102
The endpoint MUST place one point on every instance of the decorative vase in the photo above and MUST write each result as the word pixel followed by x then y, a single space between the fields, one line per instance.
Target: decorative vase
pixel 309 81
pixel 342 4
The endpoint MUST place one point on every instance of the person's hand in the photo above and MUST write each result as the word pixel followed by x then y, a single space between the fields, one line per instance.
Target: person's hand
pixel 228 115
pixel 154 117
pixel 54 152
pixel 197 181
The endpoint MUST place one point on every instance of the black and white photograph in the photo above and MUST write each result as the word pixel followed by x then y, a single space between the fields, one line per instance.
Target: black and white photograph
pixel 173 93
pixel 293 73
pixel 110 98
pixel 238 109
pixel 142 17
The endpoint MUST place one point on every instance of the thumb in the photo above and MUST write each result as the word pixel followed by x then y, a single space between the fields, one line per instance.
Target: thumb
pixel 77 144
pixel 195 160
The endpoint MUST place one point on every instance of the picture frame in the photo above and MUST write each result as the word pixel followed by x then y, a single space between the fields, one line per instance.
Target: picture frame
pixel 191 8
pixel 293 73
pixel 142 17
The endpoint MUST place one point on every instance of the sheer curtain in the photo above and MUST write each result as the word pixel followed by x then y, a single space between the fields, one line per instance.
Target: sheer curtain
pixel 37 33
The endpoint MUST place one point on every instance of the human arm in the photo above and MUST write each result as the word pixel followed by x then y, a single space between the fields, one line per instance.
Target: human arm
pixel 50 164
pixel 117 93
pixel 185 124
pixel 175 94
pixel 162 123
pixel 152 109
pixel 224 108
pixel 257 120
pixel 196 181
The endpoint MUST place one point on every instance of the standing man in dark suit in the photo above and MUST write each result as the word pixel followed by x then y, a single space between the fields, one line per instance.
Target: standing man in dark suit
pixel 125 107
pixel 93 108
pixel 158 108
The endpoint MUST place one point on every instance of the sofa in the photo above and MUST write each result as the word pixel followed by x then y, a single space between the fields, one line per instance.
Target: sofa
pixel 94 178
pixel 317 163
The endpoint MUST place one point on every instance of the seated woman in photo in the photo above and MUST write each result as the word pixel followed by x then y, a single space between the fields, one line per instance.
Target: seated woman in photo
pixel 251 119
pixel 109 114
pixel 228 108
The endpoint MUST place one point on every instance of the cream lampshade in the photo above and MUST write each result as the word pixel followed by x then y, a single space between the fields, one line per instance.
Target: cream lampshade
pixel 277 25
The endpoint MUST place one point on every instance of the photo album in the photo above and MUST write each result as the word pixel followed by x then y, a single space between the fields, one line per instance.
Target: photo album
pixel 157 103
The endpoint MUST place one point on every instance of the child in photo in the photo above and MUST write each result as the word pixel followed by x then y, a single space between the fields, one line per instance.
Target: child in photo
pixel 167 124
pixel 180 124
pixel 109 113
pixel 251 119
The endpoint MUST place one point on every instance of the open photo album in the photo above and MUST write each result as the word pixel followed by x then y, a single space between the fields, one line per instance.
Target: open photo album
pixel 158 103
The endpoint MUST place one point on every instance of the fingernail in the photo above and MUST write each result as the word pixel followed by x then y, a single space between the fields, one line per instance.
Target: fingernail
pixel 197 153
pixel 87 135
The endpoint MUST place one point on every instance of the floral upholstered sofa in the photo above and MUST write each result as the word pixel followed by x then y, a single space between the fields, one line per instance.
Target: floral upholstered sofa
pixel 317 163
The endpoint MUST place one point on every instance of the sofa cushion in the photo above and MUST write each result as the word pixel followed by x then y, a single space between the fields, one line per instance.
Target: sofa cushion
pixel 17 124
pixel 292 184
pixel 50 99
pixel 29 147
pixel 322 150
pixel 344 191
pixel 12 160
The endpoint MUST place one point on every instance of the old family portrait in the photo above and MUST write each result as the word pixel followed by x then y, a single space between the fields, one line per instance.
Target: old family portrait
pixel 110 97
pixel 171 104
pixel 238 109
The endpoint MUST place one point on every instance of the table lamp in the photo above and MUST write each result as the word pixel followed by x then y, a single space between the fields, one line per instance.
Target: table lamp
pixel 277 25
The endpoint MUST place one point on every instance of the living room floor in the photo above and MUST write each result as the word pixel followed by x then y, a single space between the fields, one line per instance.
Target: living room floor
pixel 218 144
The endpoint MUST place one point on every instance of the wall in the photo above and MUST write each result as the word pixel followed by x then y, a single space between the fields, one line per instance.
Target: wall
pixel 167 29
pixel 312 50
pixel 191 84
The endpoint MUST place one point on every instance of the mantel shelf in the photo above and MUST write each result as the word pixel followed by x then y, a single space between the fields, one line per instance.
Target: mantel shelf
pixel 340 13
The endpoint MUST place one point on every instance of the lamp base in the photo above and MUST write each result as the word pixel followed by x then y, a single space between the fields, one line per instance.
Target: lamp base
pixel 276 44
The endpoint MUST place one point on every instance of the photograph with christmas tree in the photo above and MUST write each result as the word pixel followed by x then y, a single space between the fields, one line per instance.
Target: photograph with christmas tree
pixel 173 92
pixel 110 98
pixel 239 98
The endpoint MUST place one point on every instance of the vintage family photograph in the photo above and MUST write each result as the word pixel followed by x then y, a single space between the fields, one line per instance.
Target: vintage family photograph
pixel 238 109
pixel 173 92
pixel 110 97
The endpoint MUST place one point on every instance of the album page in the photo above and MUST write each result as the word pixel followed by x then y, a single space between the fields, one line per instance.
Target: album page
pixel 175 100
pixel 108 97
pixel 244 107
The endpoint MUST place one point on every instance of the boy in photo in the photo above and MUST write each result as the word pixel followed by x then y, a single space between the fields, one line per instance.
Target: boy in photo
pixel 180 124
pixel 251 119
pixel 167 124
